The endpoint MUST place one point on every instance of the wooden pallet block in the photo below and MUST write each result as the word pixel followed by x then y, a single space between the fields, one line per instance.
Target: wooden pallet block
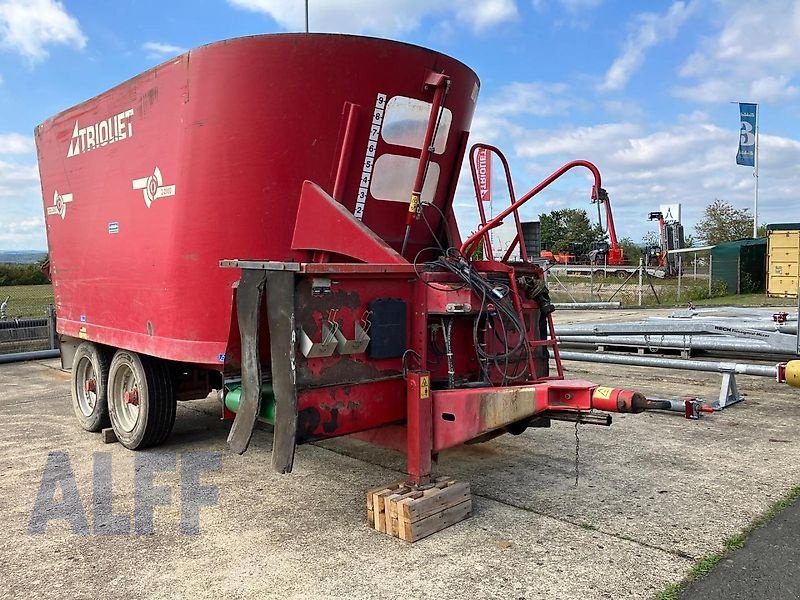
pixel 376 505
pixel 410 513
pixel 108 435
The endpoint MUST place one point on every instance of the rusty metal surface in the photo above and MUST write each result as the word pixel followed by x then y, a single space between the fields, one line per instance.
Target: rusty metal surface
pixel 282 334
pixel 265 265
pixel 506 406
pixel 348 298
pixel 248 307
pixel 343 409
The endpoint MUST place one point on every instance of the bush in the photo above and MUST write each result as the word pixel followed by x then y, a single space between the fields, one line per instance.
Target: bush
pixel 11 274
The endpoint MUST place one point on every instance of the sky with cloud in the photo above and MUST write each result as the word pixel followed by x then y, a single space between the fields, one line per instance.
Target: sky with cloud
pixel 642 89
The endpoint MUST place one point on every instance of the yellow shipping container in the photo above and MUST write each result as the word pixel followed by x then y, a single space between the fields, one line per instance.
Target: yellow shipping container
pixel 783 260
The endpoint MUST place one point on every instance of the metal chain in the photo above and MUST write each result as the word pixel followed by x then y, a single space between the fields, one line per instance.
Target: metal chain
pixel 577 448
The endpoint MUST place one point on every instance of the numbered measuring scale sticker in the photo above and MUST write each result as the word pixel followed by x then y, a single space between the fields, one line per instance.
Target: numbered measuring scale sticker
pixel 369 155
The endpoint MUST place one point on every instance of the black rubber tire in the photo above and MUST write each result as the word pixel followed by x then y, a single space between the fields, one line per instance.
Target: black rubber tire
pixel 157 404
pixel 98 417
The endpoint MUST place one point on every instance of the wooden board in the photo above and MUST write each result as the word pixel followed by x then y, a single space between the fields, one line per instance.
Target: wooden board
pixel 411 513
pixel 109 437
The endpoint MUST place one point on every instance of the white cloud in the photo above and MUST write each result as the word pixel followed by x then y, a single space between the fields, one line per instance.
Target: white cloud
pixel 29 26
pixel 22 229
pixel 17 179
pixel 755 56
pixel 16 143
pixel 773 89
pixel 688 160
pixel 575 142
pixel 573 14
pixel 570 6
pixel 487 13
pixel 650 29
pixel 159 50
pixel 22 224
pixel 368 16
pixel 534 98
pixel 26 233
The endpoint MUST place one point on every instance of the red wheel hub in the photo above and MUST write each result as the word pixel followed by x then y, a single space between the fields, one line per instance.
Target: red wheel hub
pixel 90 385
pixel 131 397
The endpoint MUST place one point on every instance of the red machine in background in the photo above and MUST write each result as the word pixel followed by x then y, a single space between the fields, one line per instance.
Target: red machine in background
pixel 670 238
pixel 615 256
pixel 602 252
pixel 274 219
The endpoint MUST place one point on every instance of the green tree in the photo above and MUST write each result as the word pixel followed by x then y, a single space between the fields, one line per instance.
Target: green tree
pixel 651 238
pixel 13 274
pixel 477 252
pixel 562 229
pixel 630 250
pixel 722 222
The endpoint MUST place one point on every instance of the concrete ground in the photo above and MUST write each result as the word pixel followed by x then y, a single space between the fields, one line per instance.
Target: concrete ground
pixel 655 492
pixel 767 567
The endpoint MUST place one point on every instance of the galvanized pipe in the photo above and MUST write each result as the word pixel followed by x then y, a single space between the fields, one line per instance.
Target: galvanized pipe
pixel 673 363
pixel 669 327
pixel 34 355
pixel 586 305
pixel 673 342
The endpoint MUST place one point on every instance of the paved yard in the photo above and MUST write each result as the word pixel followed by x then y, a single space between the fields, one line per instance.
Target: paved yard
pixel 655 492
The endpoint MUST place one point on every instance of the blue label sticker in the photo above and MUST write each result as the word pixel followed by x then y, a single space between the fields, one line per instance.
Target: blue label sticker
pixel 83 318
pixel 113 227
pixel 222 357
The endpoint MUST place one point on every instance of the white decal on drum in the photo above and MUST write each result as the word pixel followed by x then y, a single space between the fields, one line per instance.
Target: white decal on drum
pixel 153 187
pixel 59 204
pixel 113 129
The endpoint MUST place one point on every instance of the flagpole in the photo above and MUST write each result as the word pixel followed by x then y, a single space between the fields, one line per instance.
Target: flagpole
pixel 755 175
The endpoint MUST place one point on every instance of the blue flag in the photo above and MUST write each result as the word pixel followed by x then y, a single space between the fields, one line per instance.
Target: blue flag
pixel 747 135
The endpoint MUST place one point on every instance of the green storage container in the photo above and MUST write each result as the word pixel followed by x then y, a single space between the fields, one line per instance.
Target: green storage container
pixel 741 265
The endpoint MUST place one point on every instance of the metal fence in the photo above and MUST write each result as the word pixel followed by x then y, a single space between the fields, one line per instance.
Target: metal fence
pixel 27 319
pixel 638 286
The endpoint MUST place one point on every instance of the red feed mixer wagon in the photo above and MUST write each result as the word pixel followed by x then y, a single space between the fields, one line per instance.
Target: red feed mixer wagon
pixel 272 217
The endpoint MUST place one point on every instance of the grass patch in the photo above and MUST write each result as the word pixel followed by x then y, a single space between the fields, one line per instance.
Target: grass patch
pixel 707 562
pixel 26 300
pixel 670 592
pixel 747 300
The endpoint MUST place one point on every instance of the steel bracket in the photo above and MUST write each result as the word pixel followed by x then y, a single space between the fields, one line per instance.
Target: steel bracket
pixel 318 349
pixel 728 392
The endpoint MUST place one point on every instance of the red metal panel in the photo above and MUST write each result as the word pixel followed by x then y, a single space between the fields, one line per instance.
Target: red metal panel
pixel 461 415
pixel 419 426
pixel 233 129
pixel 324 224
pixel 339 410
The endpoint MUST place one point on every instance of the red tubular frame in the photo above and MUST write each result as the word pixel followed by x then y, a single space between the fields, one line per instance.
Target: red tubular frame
pixel 468 246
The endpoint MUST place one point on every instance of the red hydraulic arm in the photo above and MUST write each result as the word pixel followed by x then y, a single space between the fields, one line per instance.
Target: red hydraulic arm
pixel 615 256
pixel 441 84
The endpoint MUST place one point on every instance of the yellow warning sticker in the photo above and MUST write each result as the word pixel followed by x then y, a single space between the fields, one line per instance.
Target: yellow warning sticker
pixel 425 386
pixel 82 333
pixel 603 392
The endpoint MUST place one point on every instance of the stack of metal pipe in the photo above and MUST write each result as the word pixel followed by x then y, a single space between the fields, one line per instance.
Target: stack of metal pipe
pixel 717 330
